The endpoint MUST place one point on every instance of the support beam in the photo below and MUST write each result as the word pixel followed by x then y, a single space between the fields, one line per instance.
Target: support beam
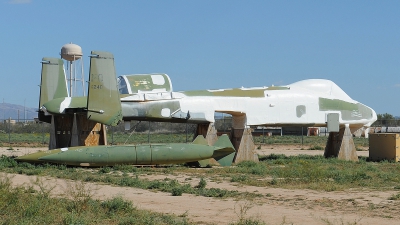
pixel 52 142
pixel 242 140
pixel 341 145
pixel 74 133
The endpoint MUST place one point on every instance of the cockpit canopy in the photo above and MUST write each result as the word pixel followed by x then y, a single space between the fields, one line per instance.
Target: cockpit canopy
pixel 144 83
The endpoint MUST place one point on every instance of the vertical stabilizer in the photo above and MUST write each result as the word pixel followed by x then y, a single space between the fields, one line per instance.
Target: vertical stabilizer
pixel 53 84
pixel 104 104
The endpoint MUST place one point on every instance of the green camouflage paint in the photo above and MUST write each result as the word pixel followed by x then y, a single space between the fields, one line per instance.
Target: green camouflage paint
pixel 34 157
pixel 55 105
pixel 349 111
pixel 146 154
pixel 103 89
pixel 151 109
pixel 147 83
pixel 53 84
pixel 236 92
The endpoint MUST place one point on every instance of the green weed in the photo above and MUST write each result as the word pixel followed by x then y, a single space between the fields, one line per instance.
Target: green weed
pixel 22 206
pixel 395 197
pixel 202 184
pixel 316 147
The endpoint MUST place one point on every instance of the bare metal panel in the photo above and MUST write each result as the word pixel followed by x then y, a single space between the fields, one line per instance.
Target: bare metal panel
pixel 333 122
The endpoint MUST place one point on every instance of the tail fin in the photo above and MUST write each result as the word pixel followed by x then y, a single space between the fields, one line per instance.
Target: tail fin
pixel 103 104
pixel 226 152
pixel 223 153
pixel 53 83
pixel 200 140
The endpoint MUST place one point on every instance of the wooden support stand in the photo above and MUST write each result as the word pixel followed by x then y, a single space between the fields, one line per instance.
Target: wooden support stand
pixel 76 130
pixel 341 145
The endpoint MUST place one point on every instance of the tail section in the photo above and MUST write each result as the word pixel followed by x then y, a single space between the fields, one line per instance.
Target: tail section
pixel 200 140
pixel 226 152
pixel 103 103
pixel 223 151
pixel 53 83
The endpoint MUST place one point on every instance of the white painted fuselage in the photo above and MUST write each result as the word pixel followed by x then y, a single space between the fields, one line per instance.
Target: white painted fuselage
pixel 304 103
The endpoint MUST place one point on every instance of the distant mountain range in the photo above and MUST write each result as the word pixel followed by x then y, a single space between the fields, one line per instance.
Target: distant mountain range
pixel 17 112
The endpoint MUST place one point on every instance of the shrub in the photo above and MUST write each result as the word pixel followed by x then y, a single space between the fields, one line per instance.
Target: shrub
pixel 177 191
pixel 202 183
pixel 116 204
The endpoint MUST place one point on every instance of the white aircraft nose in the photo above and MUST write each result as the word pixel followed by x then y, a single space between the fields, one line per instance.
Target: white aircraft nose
pixel 373 118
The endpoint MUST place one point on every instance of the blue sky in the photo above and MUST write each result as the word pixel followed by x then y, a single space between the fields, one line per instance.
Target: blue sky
pixel 212 44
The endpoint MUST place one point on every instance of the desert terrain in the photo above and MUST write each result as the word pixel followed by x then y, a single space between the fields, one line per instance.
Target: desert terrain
pixel 278 206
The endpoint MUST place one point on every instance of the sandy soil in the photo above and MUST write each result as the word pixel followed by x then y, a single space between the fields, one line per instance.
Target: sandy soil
pixel 279 206
pixel 19 151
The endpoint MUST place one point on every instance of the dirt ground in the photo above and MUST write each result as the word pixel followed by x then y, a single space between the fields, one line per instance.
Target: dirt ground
pixel 282 206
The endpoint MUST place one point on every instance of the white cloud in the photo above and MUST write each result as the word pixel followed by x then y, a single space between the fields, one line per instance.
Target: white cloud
pixel 20 1
pixel 397 85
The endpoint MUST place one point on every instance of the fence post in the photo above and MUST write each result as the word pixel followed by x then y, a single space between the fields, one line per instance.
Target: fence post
pixel 9 131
